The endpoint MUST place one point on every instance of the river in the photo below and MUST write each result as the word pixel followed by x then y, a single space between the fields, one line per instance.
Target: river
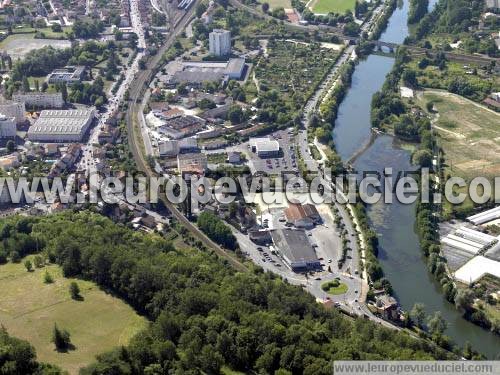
pixel 399 252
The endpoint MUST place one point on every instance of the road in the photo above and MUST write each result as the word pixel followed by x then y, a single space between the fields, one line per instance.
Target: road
pixel 136 90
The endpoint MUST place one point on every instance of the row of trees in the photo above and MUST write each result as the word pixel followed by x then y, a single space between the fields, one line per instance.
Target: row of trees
pixel 418 9
pixel 204 314
pixel 215 228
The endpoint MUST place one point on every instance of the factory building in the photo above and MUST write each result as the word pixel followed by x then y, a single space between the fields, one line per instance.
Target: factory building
pixel 197 72
pixel 302 216
pixel 40 99
pixel 61 125
pixel 187 163
pixel 220 42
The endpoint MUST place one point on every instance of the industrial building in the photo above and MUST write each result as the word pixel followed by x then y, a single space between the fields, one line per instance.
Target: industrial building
pixel 302 216
pixel 61 125
pixel 40 99
pixel 14 109
pixel 7 127
pixel 220 42
pixel 469 240
pixel 196 162
pixel 485 216
pixel 265 147
pixel 68 75
pixel 197 72
pixel 174 147
pixel 180 127
pixel 296 250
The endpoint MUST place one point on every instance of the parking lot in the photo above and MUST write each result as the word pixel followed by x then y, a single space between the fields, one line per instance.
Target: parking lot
pixel 285 163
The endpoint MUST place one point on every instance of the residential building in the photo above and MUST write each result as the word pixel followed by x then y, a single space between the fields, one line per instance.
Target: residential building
pixel 10 161
pixel 302 216
pixel 40 99
pixel 61 125
pixel 220 42
pixel 7 127
pixel 68 75
pixel 493 4
pixel 11 108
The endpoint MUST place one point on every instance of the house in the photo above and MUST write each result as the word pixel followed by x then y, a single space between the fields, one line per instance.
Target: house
pixel 387 307
pixel 302 216
pixel 260 237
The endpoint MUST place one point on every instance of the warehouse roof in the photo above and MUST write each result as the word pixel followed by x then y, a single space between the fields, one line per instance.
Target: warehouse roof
pixel 264 145
pixel 294 245
pixel 62 121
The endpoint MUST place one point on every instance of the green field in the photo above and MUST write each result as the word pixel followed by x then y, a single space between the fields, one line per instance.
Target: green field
pixel 29 308
pixel 332 6
pixel 273 4
pixel 334 288
pixel 468 133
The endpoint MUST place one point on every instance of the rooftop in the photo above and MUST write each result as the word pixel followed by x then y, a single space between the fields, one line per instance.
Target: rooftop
pixel 295 245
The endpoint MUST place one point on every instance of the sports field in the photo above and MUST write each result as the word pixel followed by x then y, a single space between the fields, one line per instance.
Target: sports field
pixel 29 308
pixel 273 4
pixel 469 134
pixel 331 6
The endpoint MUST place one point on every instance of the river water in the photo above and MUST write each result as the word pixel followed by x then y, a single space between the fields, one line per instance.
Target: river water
pixel 399 252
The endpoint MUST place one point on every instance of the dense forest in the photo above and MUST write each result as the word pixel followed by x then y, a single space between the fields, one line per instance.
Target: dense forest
pixel 204 314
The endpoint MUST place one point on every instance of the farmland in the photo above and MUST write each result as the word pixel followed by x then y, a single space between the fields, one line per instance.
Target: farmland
pixel 29 308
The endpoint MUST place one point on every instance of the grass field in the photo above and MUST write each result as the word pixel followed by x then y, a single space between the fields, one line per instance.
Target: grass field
pixel 468 133
pixel 330 288
pixel 273 4
pixel 18 45
pixel 29 308
pixel 331 6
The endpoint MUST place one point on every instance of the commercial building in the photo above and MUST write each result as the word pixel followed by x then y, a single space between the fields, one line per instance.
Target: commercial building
pixel 302 216
pixel 7 127
pixel 192 163
pixel 40 99
pixel 197 72
pixel 469 240
pixel 180 127
pixel 220 42
pixel 61 125
pixel 265 147
pixel 296 250
pixel 485 216
pixel 174 147
pixel 14 109
pixel 68 75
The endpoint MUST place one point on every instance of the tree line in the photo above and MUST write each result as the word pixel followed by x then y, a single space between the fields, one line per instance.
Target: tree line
pixel 204 314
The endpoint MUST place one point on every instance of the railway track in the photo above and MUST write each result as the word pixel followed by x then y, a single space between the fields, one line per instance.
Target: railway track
pixel 136 90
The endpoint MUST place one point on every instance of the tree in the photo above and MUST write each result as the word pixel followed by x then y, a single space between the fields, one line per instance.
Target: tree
pixel 235 114
pixel 28 265
pixel 74 290
pixel 464 299
pixel 47 278
pixel 436 324
pixel 64 92
pixel 417 314
pixel 11 146
pixel 38 261
pixel 26 85
pixel 265 7
pixel 56 28
pixel 423 158
pixel 61 339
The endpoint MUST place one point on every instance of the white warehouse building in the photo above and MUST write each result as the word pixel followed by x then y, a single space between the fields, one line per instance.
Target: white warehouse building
pixel 61 125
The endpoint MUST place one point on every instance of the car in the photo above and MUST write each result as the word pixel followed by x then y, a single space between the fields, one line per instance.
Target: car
pixel 317 278
pixel 329 261
pixel 278 265
pixel 356 300
pixel 337 304
pixel 281 219
pixel 259 248
pixel 263 260
pixel 356 291
pixel 265 254
pixel 356 272
pixel 321 258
